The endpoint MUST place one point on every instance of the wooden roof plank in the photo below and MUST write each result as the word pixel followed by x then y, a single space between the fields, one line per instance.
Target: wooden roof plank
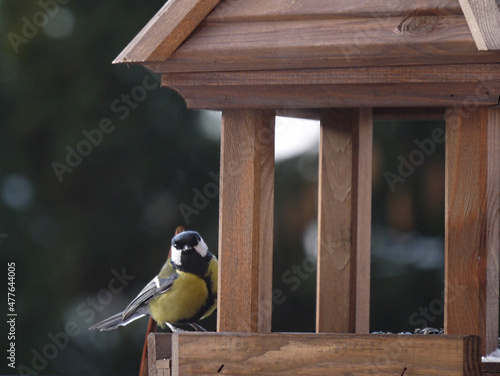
pixel 483 17
pixel 265 10
pixel 323 43
pixel 166 31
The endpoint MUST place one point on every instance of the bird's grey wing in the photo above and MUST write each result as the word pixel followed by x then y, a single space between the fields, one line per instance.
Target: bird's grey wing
pixel 154 288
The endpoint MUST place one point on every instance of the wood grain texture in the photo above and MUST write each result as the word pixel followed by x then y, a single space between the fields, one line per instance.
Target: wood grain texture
pixel 344 221
pixel 452 73
pixel 472 225
pixel 266 139
pixel 490 369
pixel 152 327
pixel 320 43
pixel 362 161
pixel 159 350
pixel 429 85
pixel 246 221
pixel 329 96
pixel 322 354
pixel 379 114
pixel 166 30
pixel 408 113
pixel 483 17
pixel 263 10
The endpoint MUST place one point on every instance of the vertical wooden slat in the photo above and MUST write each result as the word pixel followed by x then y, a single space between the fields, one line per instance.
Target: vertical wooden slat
pixel 344 221
pixel 246 221
pixel 361 211
pixel 266 221
pixel 472 225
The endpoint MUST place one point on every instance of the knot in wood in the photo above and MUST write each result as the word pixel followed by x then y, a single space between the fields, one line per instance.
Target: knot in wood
pixel 418 24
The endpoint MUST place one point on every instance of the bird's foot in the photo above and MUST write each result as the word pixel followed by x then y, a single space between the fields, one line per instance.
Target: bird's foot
pixel 174 329
pixel 198 327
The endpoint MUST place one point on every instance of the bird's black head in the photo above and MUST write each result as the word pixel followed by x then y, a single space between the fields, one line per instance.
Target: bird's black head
pixel 186 240
pixel 189 250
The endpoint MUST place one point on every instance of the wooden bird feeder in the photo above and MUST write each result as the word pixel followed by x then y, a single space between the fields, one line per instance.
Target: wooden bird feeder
pixel 344 62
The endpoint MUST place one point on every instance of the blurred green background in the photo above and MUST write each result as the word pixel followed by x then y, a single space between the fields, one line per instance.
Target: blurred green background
pixel 87 238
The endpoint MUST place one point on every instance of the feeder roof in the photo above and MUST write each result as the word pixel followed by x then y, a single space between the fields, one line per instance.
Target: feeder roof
pixel 229 44
pixel 233 35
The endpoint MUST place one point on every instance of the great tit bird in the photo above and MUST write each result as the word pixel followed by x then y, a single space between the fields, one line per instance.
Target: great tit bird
pixel 184 292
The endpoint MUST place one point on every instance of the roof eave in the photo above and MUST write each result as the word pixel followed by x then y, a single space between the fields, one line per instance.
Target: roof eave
pixel 166 31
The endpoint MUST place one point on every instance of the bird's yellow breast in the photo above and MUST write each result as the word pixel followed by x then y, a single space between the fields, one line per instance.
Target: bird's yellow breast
pixel 181 302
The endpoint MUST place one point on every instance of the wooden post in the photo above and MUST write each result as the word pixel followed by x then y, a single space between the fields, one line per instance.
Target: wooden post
pixel 344 229
pixel 472 225
pixel 246 221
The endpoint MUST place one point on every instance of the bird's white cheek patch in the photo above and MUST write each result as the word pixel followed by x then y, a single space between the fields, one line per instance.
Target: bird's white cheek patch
pixel 201 248
pixel 175 256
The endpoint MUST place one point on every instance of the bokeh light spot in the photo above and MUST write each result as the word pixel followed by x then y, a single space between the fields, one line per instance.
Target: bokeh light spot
pixel 17 191
pixel 61 25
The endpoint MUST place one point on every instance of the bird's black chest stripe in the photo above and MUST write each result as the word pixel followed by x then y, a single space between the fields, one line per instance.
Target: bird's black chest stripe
pixel 208 282
pixel 192 262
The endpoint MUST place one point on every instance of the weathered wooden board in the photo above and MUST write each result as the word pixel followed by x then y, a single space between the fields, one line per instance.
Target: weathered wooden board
pixel 490 369
pixel 472 224
pixel 244 35
pixel 318 354
pixel 246 221
pixel 344 221
pixel 453 73
pixel 431 85
pixel 319 43
pixel 265 10
pixel 382 113
pixel 483 17
pixel 330 96
pixel 173 23
pixel 408 113
pixel 159 354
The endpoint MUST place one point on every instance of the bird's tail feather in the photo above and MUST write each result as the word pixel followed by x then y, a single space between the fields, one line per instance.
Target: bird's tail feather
pixel 115 321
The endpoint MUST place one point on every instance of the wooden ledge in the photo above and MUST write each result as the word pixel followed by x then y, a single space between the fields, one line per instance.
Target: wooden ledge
pixel 400 86
pixel 490 369
pixel 311 354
